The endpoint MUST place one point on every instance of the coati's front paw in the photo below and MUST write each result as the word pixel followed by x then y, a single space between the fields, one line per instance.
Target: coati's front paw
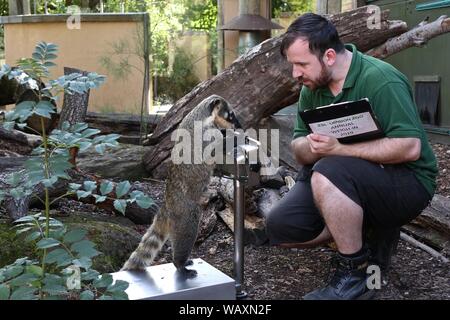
pixel 187 273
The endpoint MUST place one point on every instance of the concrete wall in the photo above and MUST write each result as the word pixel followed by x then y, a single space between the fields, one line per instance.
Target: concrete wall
pixel 83 48
pixel 197 45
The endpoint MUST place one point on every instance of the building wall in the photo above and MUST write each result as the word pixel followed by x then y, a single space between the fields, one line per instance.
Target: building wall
pixel 432 59
pixel 83 48
pixel 197 45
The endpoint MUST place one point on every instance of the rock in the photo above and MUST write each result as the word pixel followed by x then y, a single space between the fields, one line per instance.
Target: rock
pixel 123 162
pixel 114 237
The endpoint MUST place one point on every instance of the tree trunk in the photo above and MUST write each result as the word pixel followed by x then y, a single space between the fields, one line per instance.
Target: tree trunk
pixel 75 105
pixel 259 83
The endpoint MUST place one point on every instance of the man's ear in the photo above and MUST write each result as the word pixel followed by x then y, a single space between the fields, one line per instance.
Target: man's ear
pixel 329 57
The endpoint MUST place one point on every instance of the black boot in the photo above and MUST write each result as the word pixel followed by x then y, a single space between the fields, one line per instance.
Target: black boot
pixel 348 281
pixel 382 244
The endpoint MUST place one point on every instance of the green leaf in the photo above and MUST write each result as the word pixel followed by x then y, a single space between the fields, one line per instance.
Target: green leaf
pixel 12 272
pixel 122 188
pixel 4 292
pixel 87 295
pixel 90 185
pixel 23 279
pixel 23 110
pixel 99 198
pixel 24 293
pixel 44 109
pixel 17 193
pixel 145 202
pixel 74 186
pixel 74 235
pixel 50 56
pixel 83 262
pixel 120 205
pixel 14 179
pixel 106 187
pixel 119 285
pixel 78 127
pixel 119 295
pixel 57 255
pixel 104 281
pixel 83 194
pixel 89 132
pixel 84 248
pixel 54 289
pixel 49 64
pixel 37 56
pixel 100 148
pixel 47 243
pixel 37 270
pixel 53 279
pixel 89 275
pixel 32 236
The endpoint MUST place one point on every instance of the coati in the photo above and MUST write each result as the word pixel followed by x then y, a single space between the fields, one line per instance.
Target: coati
pixel 179 216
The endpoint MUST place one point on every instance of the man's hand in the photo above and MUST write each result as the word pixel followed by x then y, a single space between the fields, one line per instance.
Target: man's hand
pixel 323 145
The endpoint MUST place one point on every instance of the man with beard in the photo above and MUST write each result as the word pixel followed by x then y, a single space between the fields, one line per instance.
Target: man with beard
pixel 358 194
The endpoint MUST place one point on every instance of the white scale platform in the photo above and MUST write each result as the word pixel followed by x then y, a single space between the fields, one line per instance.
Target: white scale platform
pixel 162 282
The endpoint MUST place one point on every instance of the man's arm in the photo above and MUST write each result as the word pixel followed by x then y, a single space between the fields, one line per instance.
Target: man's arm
pixel 302 151
pixel 385 150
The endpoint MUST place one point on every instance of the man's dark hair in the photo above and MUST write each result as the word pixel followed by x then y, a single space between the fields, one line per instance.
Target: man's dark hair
pixel 319 31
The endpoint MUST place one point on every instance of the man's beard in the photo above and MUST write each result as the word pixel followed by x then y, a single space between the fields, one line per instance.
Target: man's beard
pixel 322 80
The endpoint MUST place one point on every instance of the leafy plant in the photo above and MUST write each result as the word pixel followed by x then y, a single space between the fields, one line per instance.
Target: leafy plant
pixel 63 268
pixel 181 80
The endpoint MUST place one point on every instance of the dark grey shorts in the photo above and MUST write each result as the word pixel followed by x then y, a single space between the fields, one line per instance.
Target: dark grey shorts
pixel 390 196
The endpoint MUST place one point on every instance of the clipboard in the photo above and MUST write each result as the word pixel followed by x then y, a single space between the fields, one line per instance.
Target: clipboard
pixel 349 121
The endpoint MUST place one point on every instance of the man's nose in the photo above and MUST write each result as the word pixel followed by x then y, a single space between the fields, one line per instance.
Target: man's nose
pixel 296 72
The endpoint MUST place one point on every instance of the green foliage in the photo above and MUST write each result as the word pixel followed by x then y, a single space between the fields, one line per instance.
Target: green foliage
pixel 62 269
pixel 181 80
pixel 294 6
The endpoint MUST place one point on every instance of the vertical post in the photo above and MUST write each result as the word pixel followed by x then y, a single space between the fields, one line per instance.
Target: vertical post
pixel 239 200
pixel 220 37
pixel 146 85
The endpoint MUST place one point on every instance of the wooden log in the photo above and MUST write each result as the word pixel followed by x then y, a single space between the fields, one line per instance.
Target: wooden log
pixel 254 227
pixel 75 105
pixel 262 77
pixel 20 137
pixel 436 215
pixel 17 208
pixel 416 37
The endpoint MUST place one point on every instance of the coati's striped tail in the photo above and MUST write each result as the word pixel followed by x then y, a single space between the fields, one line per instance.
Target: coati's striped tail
pixel 151 243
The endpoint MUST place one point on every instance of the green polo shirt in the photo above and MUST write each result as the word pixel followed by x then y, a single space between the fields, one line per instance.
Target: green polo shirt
pixel 392 100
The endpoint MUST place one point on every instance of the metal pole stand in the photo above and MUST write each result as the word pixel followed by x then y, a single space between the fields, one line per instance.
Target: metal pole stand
pixel 239 201
pixel 239 168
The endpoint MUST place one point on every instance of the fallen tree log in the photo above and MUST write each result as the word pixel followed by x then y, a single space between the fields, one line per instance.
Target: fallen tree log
pixel 17 208
pixel 416 37
pixel 259 83
pixel 30 140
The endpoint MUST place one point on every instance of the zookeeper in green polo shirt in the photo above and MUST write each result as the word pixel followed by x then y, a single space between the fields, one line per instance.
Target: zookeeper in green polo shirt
pixel 359 194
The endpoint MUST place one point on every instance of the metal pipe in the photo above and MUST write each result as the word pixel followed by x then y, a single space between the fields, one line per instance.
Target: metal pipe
pixel 239 233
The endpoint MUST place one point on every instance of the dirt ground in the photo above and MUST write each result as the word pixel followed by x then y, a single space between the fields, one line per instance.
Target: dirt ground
pixel 282 274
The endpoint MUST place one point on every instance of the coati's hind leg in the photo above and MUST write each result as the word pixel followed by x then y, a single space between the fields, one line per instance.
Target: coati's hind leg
pixel 151 243
pixel 183 238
